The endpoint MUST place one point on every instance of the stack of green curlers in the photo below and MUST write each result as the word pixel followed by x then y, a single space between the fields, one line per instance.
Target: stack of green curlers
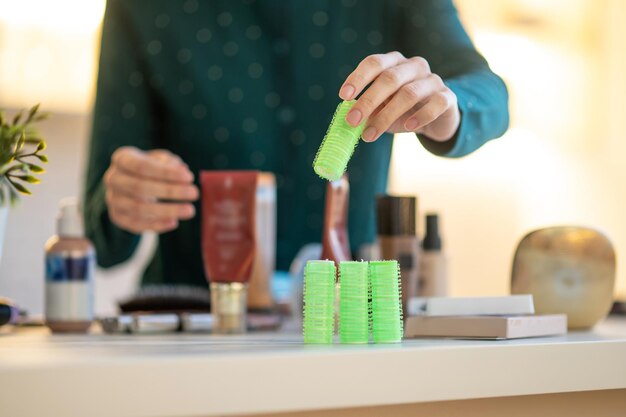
pixel 319 302
pixel 354 295
pixel 386 306
pixel 338 145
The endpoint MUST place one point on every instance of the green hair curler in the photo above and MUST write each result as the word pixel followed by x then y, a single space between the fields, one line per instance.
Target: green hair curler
pixel 354 308
pixel 319 302
pixel 386 306
pixel 338 145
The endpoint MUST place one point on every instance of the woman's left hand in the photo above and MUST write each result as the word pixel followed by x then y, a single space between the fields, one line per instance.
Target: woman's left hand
pixel 403 96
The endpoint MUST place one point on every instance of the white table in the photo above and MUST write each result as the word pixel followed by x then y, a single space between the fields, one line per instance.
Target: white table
pixel 583 373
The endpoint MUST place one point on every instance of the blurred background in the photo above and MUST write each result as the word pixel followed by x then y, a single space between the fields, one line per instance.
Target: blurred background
pixel 561 162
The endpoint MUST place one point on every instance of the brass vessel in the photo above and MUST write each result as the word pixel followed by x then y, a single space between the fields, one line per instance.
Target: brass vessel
pixel 567 269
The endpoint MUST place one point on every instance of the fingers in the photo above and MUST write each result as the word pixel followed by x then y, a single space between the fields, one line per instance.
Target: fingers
pixel 437 105
pixel 407 98
pixel 128 223
pixel 398 95
pixel 149 190
pixel 386 84
pixel 130 185
pixel 367 71
pixel 157 166
pixel 138 216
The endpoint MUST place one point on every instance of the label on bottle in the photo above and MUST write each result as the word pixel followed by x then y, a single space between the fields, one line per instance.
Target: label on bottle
pixel 69 287
pixel 61 268
pixel 405 260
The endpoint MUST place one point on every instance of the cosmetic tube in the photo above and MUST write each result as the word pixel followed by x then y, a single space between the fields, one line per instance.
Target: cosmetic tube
pixel 228 243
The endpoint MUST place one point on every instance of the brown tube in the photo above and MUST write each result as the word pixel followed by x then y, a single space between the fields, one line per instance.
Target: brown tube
pixel 335 241
pixel 228 243
pixel 228 224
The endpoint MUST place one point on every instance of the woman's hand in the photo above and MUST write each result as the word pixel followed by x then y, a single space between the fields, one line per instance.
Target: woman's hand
pixel 149 191
pixel 404 96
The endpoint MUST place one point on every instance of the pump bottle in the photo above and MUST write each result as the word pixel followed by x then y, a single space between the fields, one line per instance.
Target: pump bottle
pixel 433 281
pixel 70 265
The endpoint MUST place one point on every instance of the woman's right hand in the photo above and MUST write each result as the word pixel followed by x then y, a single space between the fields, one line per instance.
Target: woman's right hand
pixel 149 190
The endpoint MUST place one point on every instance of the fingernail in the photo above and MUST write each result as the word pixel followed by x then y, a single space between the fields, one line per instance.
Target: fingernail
pixel 346 92
pixel 411 124
pixel 354 117
pixel 370 134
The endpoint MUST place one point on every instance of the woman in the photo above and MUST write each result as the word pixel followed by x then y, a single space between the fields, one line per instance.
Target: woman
pixel 187 85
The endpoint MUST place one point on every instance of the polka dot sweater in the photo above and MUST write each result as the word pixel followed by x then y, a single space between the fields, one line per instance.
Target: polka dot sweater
pixel 244 84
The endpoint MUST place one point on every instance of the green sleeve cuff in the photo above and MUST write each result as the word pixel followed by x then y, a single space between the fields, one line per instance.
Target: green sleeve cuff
pixel 483 103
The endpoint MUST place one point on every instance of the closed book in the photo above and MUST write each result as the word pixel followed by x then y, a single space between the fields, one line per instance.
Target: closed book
pixel 472 306
pixel 486 327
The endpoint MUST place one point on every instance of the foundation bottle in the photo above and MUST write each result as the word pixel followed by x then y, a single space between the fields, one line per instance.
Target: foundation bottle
pixel 398 240
pixel 433 281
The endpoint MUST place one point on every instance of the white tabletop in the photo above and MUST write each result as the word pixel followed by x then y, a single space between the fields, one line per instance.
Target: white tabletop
pixel 204 375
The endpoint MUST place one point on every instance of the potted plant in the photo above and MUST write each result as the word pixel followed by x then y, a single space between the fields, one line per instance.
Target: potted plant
pixel 20 159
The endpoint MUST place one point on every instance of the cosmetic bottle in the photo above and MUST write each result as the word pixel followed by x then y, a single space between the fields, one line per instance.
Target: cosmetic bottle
pixel 229 244
pixel 70 266
pixel 335 239
pixel 398 240
pixel 260 286
pixel 433 280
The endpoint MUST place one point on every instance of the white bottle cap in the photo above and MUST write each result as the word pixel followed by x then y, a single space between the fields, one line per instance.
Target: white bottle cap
pixel 69 219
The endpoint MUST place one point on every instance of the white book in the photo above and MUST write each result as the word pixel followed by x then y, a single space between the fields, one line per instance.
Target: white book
pixel 471 306
pixel 486 327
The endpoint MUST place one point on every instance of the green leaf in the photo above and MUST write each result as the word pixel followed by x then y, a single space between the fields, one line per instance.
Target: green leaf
pixel 21 141
pixel 42 158
pixel 17 167
pixel 17 118
pixel 36 169
pixel 41 116
pixel 1 118
pixel 19 187
pixel 42 145
pixel 32 112
pixel 28 178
